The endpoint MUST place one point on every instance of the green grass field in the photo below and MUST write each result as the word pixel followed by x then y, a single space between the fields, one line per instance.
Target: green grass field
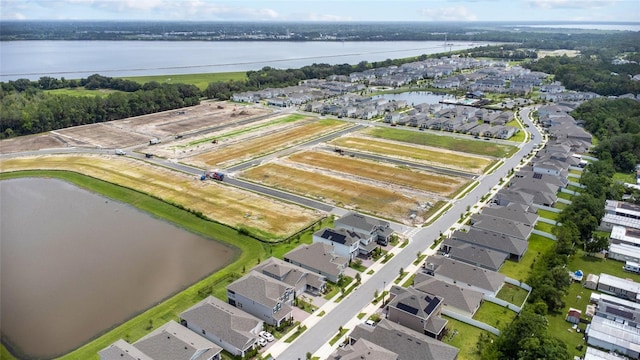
pixel 464 337
pixel 249 250
pixel 625 178
pixel 199 80
pixel 495 315
pixel 445 142
pixel 81 91
pixel 513 294
pixel 538 245
pixel 548 214
pixel 542 226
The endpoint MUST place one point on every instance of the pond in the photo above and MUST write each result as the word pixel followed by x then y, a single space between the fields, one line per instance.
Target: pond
pixel 74 264
pixel 415 97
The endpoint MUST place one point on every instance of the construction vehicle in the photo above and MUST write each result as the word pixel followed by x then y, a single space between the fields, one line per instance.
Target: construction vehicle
pixel 211 174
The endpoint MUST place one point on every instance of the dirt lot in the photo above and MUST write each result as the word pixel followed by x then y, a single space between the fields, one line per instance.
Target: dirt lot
pixel 408 207
pixel 387 174
pixel 138 130
pixel 226 204
pixel 262 142
pixel 424 154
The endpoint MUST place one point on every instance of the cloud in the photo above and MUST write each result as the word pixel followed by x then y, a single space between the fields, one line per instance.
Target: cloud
pixel 570 4
pixel 454 13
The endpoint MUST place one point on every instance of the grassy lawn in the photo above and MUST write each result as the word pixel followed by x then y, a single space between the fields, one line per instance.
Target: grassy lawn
pixel 577 297
pixel 593 265
pixel 560 206
pixel 445 142
pixel 544 227
pixel 627 178
pixel 574 188
pixel 494 315
pixel 578 172
pixel 538 245
pixel 548 214
pixel 339 335
pixel 565 196
pixel 513 294
pixel 464 337
pixel 199 80
pixel 81 91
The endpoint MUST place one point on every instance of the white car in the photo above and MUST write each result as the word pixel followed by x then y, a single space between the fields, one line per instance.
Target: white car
pixel 370 322
pixel 262 342
pixel 267 336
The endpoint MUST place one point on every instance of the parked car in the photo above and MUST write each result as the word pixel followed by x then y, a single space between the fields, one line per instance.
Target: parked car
pixel 370 322
pixel 120 152
pixel 267 336
pixel 262 342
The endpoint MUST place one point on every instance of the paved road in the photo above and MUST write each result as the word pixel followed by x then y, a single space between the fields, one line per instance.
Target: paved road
pixel 320 334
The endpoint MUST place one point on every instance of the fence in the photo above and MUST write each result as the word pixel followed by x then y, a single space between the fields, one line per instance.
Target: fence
pixel 470 321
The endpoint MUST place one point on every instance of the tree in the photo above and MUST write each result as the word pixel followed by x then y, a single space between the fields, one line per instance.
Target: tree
pixel 596 244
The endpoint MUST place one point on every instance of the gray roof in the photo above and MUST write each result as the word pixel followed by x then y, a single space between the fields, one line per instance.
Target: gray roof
pixel 260 288
pixel 359 221
pixel 407 343
pixel 502 226
pixel 453 296
pixel 514 212
pixel 122 350
pixel 224 321
pixel 339 236
pixel 475 254
pixel 492 240
pixel 514 197
pixel 363 350
pixel 318 256
pixel 173 341
pixel 420 305
pixel 289 274
pixel 465 273
pixel 530 183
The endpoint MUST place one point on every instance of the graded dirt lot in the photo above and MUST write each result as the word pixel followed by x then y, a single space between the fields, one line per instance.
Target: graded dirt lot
pixel 263 141
pixel 382 201
pixel 225 204
pixel 138 130
pixel 387 174
pixel 424 154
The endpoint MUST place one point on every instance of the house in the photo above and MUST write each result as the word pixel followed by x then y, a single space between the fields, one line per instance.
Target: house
pixel 173 341
pixel 344 243
pixel 595 354
pixel 467 276
pixel 620 213
pixel 620 310
pixel 473 254
pixel 416 310
pixel 622 235
pixel 507 227
pixel 543 192
pixel 223 324
pixel 455 298
pixel 363 349
pixel 122 350
pixel 614 336
pixel 264 297
pixel 505 197
pixel 378 230
pixel 319 258
pixel 514 212
pixel 392 117
pixel 407 343
pixel 624 252
pixel 573 316
pixel 622 288
pixel 299 279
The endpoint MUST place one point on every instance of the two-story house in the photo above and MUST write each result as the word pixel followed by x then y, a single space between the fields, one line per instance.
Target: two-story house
pixel 264 297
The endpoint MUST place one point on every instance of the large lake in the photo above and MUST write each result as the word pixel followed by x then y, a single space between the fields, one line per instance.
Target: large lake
pixel 77 59
pixel 74 264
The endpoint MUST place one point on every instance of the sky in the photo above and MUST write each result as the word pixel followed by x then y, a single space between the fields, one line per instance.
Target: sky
pixel 323 10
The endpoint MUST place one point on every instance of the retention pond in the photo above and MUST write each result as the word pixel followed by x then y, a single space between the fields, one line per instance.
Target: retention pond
pixel 73 264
